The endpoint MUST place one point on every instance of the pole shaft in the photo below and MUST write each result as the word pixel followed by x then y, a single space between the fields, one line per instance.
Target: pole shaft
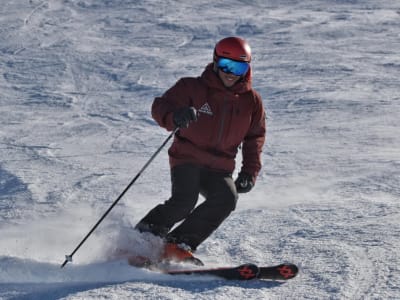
pixel 69 257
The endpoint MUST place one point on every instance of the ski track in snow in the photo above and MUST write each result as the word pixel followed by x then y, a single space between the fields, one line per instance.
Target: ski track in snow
pixel 76 86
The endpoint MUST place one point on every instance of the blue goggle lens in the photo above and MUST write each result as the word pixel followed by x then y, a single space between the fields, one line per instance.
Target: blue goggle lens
pixel 237 68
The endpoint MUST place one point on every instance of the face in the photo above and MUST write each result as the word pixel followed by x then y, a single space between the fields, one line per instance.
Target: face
pixel 228 79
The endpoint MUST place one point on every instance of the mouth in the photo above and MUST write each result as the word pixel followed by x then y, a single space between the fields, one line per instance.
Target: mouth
pixel 228 78
pixel 231 77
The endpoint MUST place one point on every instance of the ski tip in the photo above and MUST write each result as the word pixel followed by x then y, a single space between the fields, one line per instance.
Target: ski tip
pixel 289 270
pixel 283 271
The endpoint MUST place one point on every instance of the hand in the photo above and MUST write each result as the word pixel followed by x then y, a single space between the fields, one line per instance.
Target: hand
pixel 244 183
pixel 183 116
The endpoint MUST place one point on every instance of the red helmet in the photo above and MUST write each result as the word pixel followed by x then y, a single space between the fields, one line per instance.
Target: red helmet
pixel 234 48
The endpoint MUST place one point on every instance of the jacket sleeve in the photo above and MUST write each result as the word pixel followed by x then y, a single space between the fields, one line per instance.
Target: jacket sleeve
pixel 254 140
pixel 163 107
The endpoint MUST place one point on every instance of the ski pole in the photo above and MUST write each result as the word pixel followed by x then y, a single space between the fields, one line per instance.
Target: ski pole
pixel 68 258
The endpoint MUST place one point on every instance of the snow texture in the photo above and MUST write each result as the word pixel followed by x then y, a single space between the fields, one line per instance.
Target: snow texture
pixel 77 81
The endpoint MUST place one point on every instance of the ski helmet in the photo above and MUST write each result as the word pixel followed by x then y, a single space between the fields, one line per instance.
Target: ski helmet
pixel 234 48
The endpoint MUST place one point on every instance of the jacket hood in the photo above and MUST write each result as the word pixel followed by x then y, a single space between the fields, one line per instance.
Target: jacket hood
pixel 212 80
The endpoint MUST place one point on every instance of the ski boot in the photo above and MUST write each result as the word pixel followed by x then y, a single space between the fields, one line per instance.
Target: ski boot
pixel 180 253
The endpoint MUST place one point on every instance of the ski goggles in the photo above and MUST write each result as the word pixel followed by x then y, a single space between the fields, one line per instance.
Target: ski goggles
pixel 238 68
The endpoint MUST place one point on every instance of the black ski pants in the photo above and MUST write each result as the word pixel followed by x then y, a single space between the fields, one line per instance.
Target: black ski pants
pixel 188 181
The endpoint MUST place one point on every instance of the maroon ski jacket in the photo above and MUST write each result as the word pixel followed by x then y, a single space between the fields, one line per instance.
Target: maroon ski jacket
pixel 227 117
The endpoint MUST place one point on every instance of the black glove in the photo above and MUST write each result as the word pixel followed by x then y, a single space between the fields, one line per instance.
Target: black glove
pixel 183 116
pixel 244 183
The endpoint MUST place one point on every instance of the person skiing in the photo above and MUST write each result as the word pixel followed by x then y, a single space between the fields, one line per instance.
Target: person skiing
pixel 215 114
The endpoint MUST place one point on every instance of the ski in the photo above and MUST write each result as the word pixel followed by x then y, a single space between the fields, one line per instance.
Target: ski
pixel 283 271
pixel 247 271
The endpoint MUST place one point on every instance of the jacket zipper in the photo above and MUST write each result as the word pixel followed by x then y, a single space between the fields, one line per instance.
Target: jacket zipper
pixel 221 127
pixel 222 123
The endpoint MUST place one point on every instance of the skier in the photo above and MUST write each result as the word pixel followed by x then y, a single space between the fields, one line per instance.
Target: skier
pixel 215 113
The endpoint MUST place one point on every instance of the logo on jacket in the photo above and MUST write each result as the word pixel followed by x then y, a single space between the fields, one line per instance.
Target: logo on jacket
pixel 206 109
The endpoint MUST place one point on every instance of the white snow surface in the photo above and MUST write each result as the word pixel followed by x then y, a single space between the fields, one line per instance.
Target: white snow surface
pixel 77 81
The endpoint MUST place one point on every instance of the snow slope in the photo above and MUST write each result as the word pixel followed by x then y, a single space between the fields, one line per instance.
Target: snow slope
pixel 77 81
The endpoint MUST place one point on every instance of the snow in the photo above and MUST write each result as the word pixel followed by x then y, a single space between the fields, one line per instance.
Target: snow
pixel 77 82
